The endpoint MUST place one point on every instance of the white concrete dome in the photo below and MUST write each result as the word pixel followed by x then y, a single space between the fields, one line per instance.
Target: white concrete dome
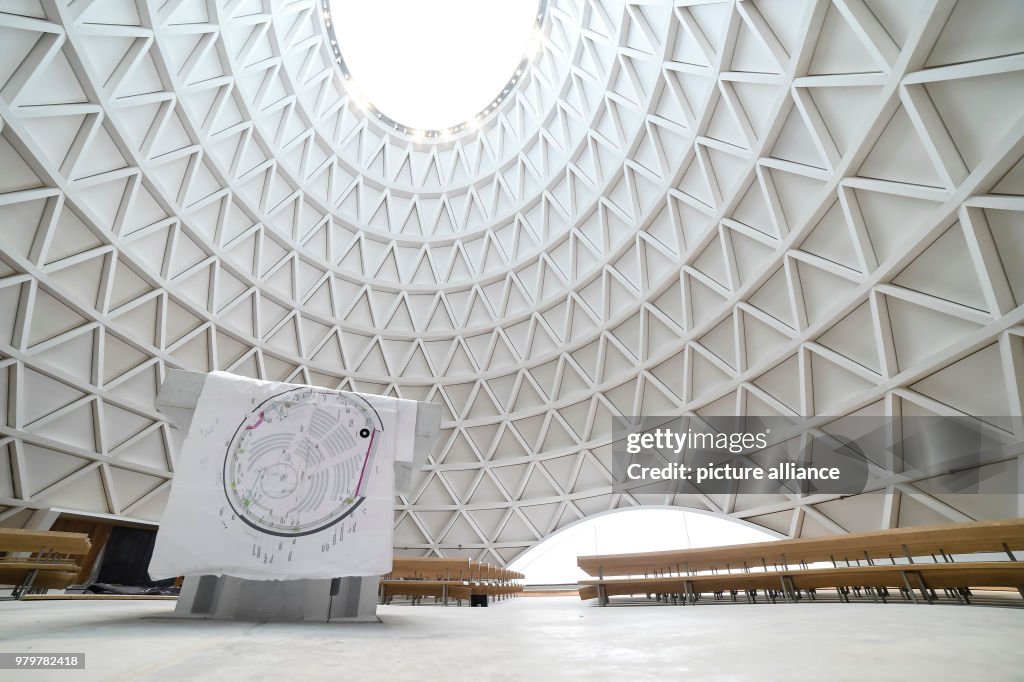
pixel 760 206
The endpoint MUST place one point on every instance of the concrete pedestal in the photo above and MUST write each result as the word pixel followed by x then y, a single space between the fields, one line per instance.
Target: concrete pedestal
pixel 321 601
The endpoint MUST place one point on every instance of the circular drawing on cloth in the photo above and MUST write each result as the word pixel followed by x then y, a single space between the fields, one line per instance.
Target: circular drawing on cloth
pixel 300 461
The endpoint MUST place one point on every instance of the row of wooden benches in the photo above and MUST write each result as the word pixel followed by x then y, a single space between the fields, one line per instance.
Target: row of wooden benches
pixel 443 591
pixel 869 563
pixel 446 568
pixel 447 579
pixel 33 560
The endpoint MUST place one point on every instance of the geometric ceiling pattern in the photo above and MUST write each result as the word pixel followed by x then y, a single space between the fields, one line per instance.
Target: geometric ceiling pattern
pixel 796 207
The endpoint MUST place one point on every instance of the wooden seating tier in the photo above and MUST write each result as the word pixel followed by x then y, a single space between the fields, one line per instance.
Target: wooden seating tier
pixel 905 559
pixel 447 579
pixel 33 559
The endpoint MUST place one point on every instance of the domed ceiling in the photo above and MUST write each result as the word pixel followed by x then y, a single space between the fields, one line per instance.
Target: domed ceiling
pixel 796 207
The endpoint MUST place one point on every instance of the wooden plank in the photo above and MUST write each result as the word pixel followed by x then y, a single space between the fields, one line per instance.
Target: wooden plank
pixel 39 541
pixel 99 597
pixel 424 588
pixel 29 565
pixel 430 567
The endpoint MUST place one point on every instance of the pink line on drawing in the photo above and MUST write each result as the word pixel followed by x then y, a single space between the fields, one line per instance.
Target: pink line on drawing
pixel 369 447
pixel 257 424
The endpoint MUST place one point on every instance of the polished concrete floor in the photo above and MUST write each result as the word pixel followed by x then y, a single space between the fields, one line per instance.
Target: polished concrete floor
pixel 539 638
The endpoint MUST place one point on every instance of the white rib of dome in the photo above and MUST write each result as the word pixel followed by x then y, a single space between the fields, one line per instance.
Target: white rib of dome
pixel 709 207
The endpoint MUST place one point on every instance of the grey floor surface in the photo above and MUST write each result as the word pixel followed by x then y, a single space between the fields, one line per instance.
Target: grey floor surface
pixel 536 638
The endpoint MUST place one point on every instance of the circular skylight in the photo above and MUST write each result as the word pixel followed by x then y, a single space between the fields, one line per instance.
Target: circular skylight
pixel 431 65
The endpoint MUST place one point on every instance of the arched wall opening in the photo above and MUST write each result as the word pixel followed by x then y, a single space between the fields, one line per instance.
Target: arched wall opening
pixel 645 529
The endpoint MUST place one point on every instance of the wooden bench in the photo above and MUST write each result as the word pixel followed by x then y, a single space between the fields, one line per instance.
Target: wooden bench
pixel 432 568
pixel 875 580
pixel 905 543
pixel 415 589
pixel 33 559
pixel 446 579
pixel 782 568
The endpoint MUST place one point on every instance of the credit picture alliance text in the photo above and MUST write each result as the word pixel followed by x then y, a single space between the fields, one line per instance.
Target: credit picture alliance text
pixel 784 471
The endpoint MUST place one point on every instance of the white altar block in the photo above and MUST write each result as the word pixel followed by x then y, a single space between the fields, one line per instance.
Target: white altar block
pixel 283 482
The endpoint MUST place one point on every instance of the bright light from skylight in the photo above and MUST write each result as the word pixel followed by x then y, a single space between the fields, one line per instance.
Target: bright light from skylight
pixel 433 64
pixel 553 562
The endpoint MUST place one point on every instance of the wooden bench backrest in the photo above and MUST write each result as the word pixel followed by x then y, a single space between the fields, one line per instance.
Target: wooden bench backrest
pixel 965 538
pixel 430 567
pixel 43 542
pixel 444 568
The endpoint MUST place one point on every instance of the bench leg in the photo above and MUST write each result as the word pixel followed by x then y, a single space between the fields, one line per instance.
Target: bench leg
pixel 909 589
pixel 792 589
pixel 25 586
pixel 924 588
